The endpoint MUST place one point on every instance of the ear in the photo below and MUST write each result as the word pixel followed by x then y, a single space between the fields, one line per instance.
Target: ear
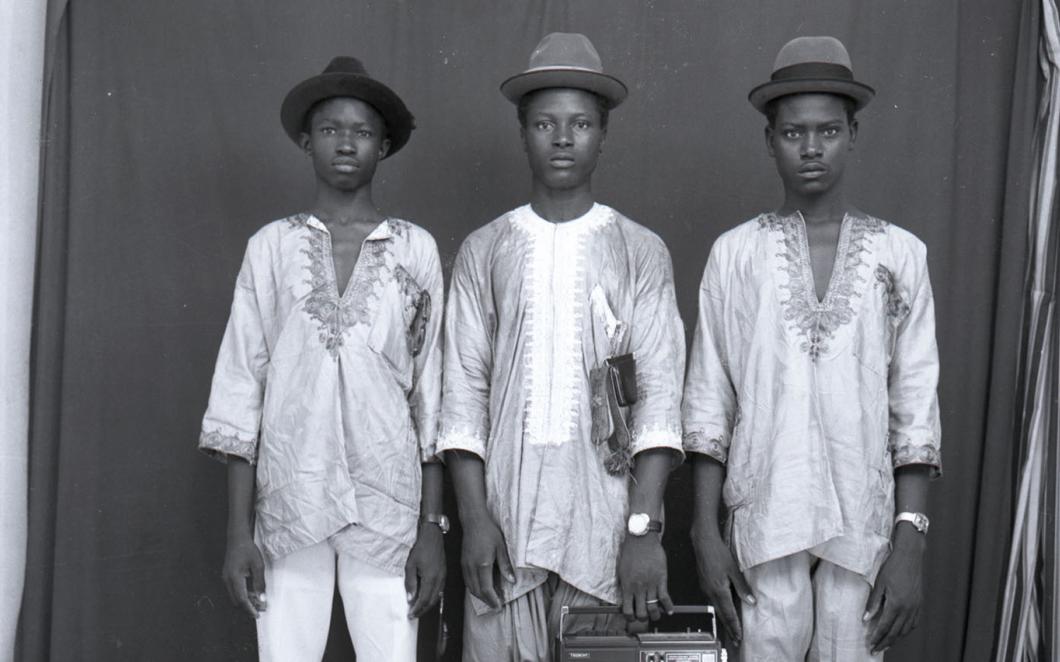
pixel 769 141
pixel 603 139
pixel 305 143
pixel 522 137
pixel 853 133
pixel 384 148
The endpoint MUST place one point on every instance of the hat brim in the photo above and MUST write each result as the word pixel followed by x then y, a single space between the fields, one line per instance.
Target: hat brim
pixel 860 93
pixel 610 88
pixel 399 121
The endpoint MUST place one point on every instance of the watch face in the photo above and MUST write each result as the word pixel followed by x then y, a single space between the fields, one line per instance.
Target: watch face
pixel 638 524
pixel 921 523
pixel 443 524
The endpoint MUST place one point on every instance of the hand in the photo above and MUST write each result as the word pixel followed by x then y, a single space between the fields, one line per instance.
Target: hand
pixel 425 570
pixel 894 603
pixel 719 576
pixel 642 578
pixel 243 560
pixel 484 548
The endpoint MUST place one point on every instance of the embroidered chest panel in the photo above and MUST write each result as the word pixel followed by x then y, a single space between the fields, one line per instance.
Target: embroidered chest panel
pixel 817 321
pixel 555 275
pixel 333 313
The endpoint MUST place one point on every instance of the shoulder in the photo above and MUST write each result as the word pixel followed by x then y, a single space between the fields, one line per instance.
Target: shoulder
pixel 642 240
pixel 415 236
pixel 741 240
pixel 275 232
pixel 896 243
pixel 482 239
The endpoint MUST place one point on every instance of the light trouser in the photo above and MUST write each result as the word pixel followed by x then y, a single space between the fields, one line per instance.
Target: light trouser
pixel 299 589
pixel 525 629
pixel 806 609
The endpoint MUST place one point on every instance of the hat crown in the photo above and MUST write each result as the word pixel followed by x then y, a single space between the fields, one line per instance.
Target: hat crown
pixel 566 50
pixel 345 64
pixel 803 50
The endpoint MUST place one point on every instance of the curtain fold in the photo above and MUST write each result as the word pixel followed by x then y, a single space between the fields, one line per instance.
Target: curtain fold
pixel 1028 623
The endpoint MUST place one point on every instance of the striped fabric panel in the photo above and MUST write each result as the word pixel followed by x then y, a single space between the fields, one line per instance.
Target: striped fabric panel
pixel 1028 629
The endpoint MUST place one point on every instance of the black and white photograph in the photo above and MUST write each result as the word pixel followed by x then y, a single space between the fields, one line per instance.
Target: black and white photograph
pixel 530 331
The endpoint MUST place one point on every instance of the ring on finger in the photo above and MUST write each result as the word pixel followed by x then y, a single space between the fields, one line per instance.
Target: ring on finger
pixel 651 602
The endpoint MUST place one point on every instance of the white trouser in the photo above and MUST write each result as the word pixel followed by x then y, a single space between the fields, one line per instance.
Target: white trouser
pixel 806 609
pixel 299 589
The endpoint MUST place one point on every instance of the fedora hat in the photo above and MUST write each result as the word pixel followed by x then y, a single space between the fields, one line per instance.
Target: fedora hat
pixel 812 64
pixel 346 77
pixel 564 59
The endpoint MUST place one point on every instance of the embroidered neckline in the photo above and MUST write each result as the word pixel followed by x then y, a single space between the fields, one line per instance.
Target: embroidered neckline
pixel 555 278
pixel 814 319
pixel 335 313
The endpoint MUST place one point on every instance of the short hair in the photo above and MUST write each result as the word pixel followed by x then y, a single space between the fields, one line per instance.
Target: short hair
pixel 603 106
pixel 307 120
pixel 771 108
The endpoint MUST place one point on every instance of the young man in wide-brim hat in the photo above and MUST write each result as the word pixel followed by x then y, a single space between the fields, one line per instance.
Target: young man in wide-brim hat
pixel 541 445
pixel 326 395
pixel 810 404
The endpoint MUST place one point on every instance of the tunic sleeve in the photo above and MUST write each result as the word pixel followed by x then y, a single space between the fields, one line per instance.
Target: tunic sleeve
pixel 915 430
pixel 426 393
pixel 233 416
pixel 709 407
pixel 657 341
pixel 468 357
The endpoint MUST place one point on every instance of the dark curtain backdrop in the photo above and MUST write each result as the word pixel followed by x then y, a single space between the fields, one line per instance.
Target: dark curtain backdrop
pixel 164 153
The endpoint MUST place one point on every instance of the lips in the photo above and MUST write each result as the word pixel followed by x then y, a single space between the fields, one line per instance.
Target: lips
pixel 561 161
pixel 812 170
pixel 345 165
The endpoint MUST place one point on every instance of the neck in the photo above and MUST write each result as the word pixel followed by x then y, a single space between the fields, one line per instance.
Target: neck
pixel 560 205
pixel 335 206
pixel 823 208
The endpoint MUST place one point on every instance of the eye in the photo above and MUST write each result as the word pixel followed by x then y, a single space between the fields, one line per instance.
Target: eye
pixel 542 125
pixel 327 130
pixel 365 133
pixel 582 124
pixel 831 132
pixel 790 134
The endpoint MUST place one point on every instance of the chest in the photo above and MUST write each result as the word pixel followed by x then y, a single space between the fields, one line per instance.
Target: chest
pixel 822 242
pixel 346 243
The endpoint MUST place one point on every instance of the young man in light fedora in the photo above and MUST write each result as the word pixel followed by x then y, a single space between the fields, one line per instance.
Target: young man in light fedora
pixel 326 395
pixel 810 404
pixel 564 360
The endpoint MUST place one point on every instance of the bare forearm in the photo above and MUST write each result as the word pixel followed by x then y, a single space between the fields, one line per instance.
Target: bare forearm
pixel 431 490
pixel 650 473
pixel 708 476
pixel 469 481
pixel 240 499
pixel 910 495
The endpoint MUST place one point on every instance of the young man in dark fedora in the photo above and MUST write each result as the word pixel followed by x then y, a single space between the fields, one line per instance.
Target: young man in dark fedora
pixel 810 404
pixel 326 394
pixel 562 382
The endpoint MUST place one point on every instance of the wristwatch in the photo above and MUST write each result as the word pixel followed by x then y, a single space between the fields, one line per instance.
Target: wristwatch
pixel 441 520
pixel 639 524
pixel 919 521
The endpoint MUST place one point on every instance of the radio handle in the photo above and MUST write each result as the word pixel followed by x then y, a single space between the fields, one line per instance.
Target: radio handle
pixel 615 609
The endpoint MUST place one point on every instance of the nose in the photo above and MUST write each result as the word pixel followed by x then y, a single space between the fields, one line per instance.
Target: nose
pixel 345 145
pixel 811 146
pixel 564 137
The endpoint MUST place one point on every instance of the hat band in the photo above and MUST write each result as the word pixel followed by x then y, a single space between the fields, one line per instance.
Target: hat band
pixel 811 70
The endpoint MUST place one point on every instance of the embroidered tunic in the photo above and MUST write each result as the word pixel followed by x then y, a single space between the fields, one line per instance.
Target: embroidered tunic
pixel 534 309
pixel 334 397
pixel 812 404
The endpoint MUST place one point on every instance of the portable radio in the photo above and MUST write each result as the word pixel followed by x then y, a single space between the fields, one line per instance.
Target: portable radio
pixel 688 646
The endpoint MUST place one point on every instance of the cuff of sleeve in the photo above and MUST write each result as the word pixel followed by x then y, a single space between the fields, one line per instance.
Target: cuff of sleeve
pixel 218 445
pixel 698 441
pixel 461 439
pixel 645 438
pixel 909 452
